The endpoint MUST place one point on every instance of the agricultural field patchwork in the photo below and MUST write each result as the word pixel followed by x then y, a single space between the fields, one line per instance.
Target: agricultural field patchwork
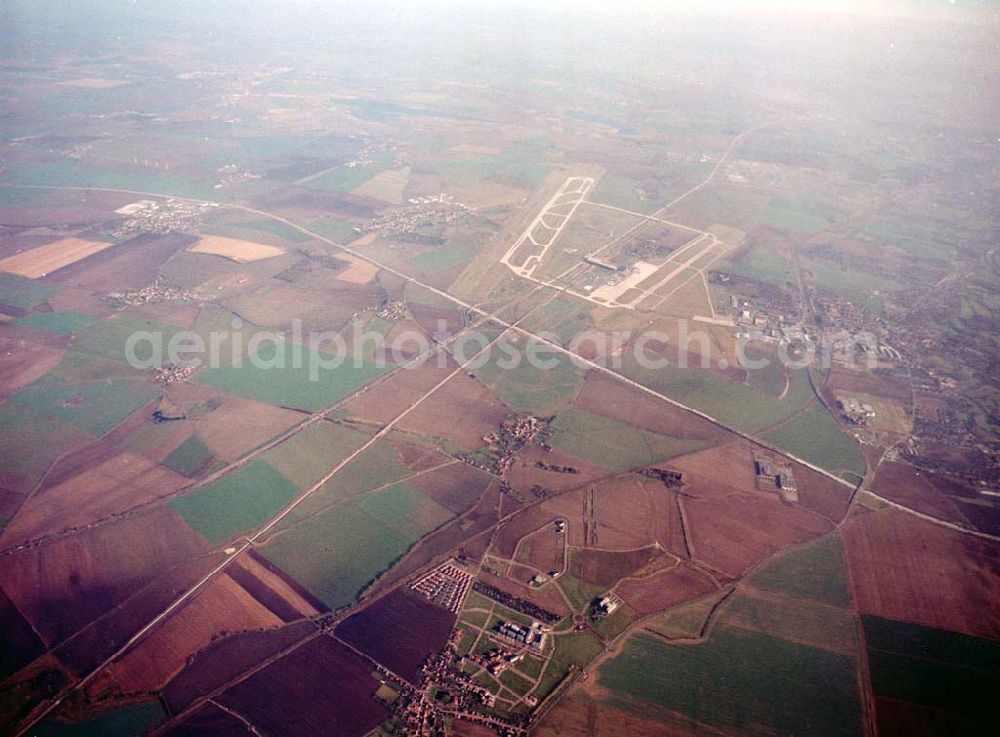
pixel 295 527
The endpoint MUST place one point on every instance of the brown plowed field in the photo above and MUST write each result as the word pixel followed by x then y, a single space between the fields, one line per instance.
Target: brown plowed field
pixel 239 425
pixel 434 320
pixel 98 452
pixel 924 492
pixel 581 716
pixel 113 485
pixel 520 574
pixel 906 568
pixel 865 382
pixel 272 590
pixel 134 263
pixel 663 590
pixel 42 260
pixel 92 645
pixel 26 355
pixel 61 586
pixel 228 657
pixel 604 568
pixel 821 494
pixel 524 523
pixel 293 200
pixel 732 524
pixel 321 690
pixel 620 516
pixel 14 241
pixel 456 487
pixel 210 721
pixel 275 303
pixel 400 631
pixel 603 395
pixel 525 473
pixel 568 506
pixel 903 719
pixel 461 728
pixel 416 457
pixel 222 606
pixel 76 299
pixel 462 411
pixel 140 435
pixel 397 392
pixel 732 532
pixel 668 527
pixel 544 550
pixel 624 513
pixel 19 642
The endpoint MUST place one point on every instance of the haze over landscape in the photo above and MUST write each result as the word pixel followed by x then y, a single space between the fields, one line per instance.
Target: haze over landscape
pixel 453 368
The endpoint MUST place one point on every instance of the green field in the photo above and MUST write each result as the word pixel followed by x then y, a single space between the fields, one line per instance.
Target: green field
pixel 579 593
pixel 276 380
pixel 814 571
pixel 31 442
pixel 455 250
pixel 477 618
pixel 338 231
pixel 769 378
pixel 569 650
pixel 96 407
pixel 515 683
pixel 17 196
pixel 792 219
pixel 621 192
pixel 525 388
pixel 346 178
pixel 955 673
pixel 336 553
pixel 69 173
pixel 617 622
pixel 847 282
pixel 310 454
pixel 189 458
pixel 762 264
pixel 123 338
pixel 687 620
pixel 376 467
pixel 515 166
pixel 739 207
pixel 238 503
pixel 275 227
pixel 798 620
pixel 125 721
pixel 404 510
pixel 60 323
pixel 613 444
pixel 563 316
pixel 736 679
pixel 815 436
pixel 531 667
pixel 477 601
pixel 735 404
pixel 17 291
